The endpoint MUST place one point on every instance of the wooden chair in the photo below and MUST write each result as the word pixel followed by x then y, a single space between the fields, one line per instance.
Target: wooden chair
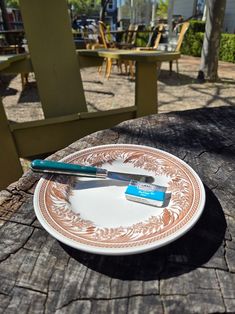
pixel 175 44
pixel 183 29
pixel 129 37
pixel 107 44
pixel 154 39
pixel 159 29
pixel 130 43
pixel 57 71
pixel 152 44
pixel 131 34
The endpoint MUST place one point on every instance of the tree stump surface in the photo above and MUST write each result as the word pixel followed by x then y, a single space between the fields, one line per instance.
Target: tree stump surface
pixel 194 274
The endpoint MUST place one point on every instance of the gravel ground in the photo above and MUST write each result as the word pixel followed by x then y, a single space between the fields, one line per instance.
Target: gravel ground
pixel 180 92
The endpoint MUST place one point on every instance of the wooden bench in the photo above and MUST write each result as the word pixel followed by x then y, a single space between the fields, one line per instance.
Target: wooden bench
pixel 56 65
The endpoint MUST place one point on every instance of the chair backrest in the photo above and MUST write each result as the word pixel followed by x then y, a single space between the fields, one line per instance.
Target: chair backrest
pixel 131 34
pixel 103 35
pixel 54 60
pixel 134 34
pixel 48 30
pixel 160 29
pixel 184 28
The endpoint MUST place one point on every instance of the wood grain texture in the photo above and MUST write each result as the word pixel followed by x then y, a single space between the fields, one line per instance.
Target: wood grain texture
pixel 195 274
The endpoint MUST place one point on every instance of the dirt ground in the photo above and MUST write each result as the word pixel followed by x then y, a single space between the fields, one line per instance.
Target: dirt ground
pixel 175 93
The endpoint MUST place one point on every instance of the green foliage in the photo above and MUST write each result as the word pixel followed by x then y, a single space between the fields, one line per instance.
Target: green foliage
pixel 197 26
pixel 193 42
pixel 12 3
pixel 227 48
pixel 80 6
pixel 87 7
pixel 141 40
pixel 162 8
pixel 193 39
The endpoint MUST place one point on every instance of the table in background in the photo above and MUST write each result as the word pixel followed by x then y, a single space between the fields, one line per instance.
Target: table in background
pixel 119 34
pixel 195 274
pixel 146 72
pixel 146 77
pixel 7 60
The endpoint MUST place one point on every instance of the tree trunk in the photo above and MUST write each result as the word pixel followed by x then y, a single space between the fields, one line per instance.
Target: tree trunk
pixel 210 50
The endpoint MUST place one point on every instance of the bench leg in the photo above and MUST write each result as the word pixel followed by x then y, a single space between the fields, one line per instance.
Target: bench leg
pixel 146 88
pixel 24 79
pixel 10 167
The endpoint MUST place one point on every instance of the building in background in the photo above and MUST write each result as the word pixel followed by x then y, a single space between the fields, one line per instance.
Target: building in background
pixel 111 14
pixel 197 8
pixel 135 12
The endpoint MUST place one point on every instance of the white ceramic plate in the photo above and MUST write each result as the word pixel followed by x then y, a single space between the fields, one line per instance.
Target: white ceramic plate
pixel 93 214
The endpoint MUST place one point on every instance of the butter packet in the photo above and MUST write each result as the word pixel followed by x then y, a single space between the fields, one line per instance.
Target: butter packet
pixel 145 193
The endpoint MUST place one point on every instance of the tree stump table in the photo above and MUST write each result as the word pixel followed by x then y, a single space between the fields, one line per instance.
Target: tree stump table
pixel 194 274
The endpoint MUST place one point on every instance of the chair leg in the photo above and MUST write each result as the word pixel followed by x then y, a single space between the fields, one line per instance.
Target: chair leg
pixel 108 67
pixel 100 69
pixel 126 65
pixel 159 64
pixel 24 79
pixel 177 67
pixel 119 65
pixel 131 69
pixel 170 67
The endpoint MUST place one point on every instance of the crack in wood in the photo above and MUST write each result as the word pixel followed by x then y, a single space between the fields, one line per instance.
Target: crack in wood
pixel 30 289
pixel 19 248
pixel 214 187
pixel 7 210
pixel 217 170
pixel 220 289
pixel 186 154
pixel 90 299
pixel 201 153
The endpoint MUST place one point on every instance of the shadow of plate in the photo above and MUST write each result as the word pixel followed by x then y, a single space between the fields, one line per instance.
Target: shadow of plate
pixel 190 251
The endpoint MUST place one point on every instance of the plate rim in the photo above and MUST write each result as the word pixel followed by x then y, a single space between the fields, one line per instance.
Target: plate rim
pixel 126 250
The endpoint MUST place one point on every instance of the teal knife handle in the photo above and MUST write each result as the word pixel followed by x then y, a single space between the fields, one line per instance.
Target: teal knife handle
pixel 44 165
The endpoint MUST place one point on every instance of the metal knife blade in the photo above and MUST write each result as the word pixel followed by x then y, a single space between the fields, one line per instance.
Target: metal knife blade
pixel 128 177
pixel 55 167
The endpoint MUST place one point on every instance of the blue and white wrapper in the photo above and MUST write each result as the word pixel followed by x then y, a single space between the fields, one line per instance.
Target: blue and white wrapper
pixel 146 193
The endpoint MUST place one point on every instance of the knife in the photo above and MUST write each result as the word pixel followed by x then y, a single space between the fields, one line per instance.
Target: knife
pixel 57 167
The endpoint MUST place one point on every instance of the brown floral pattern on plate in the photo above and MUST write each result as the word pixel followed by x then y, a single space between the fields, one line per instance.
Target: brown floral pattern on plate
pixel 182 184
